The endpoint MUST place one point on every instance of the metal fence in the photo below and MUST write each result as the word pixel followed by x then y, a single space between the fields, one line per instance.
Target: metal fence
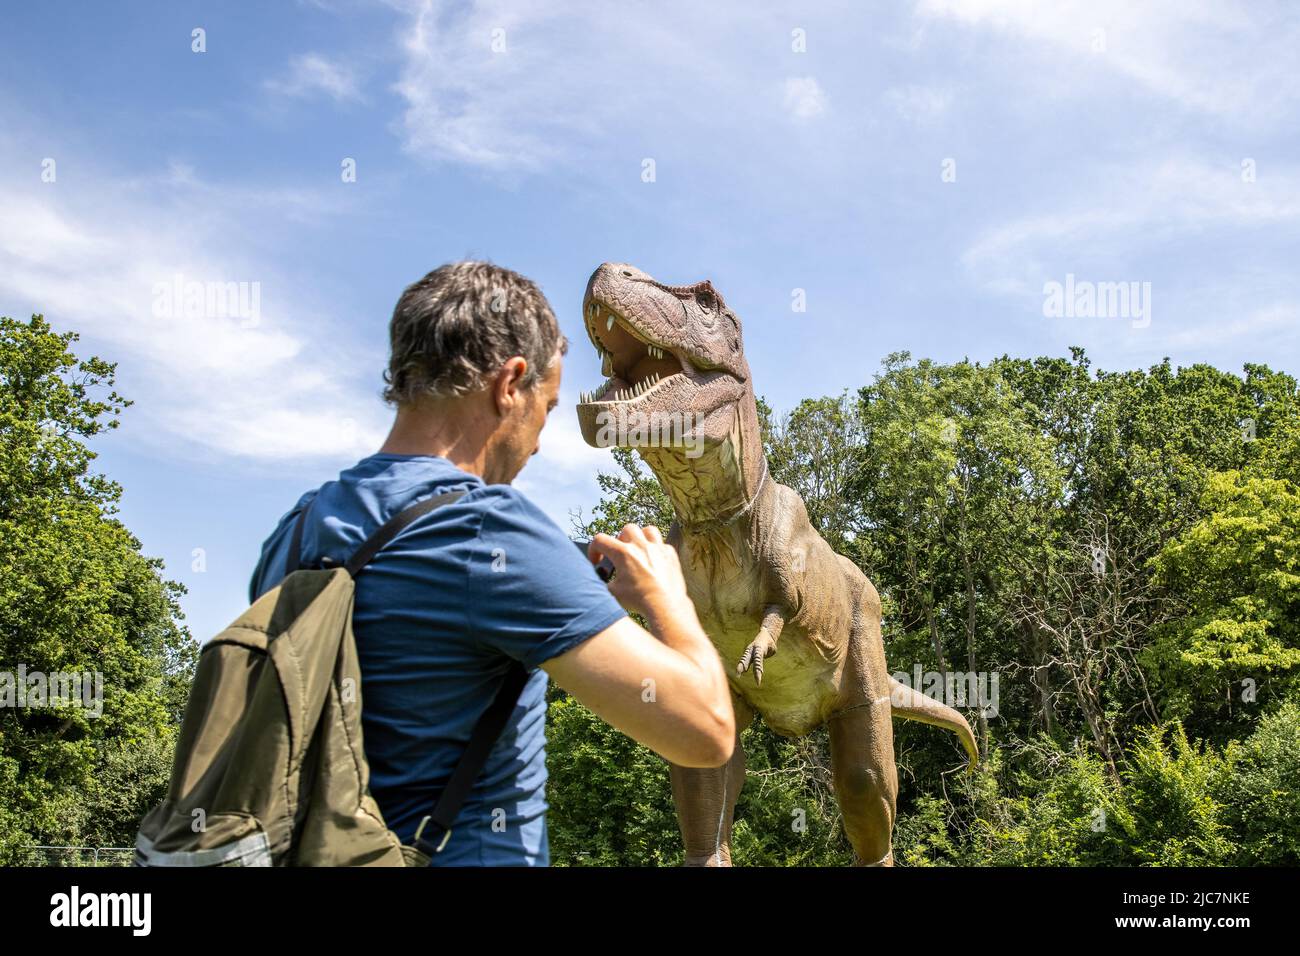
pixel 75 856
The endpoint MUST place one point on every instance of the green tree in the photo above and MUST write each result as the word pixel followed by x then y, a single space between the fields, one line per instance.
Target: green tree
pixel 76 596
pixel 611 803
pixel 1237 574
pixel 1170 794
pixel 956 487
pixel 1258 790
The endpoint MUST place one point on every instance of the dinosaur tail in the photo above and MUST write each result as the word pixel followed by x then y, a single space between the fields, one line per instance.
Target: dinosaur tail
pixel 913 705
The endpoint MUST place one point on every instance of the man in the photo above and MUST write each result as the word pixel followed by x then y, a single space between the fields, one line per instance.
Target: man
pixel 442 612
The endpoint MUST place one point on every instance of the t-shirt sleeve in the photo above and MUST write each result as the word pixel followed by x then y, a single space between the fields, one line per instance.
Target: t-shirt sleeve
pixel 531 594
pixel 267 572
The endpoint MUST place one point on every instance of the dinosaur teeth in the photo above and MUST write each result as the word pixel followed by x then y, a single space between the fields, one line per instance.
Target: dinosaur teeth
pixel 607 363
pixel 609 323
pixel 635 390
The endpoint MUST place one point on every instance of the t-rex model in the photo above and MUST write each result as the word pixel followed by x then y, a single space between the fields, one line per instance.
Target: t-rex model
pixel 799 623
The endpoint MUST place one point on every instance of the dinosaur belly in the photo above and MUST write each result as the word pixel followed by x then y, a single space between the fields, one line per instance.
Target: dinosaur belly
pixel 797 680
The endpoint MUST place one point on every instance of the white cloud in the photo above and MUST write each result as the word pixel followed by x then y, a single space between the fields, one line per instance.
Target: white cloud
pixel 1232 61
pixel 312 73
pixel 803 97
pixel 1259 325
pixel 1142 205
pixel 918 104
pixel 261 384
pixel 1204 240
pixel 468 104
pixel 512 87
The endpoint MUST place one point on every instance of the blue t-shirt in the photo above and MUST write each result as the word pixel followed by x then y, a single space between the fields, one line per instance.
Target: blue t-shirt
pixel 440 613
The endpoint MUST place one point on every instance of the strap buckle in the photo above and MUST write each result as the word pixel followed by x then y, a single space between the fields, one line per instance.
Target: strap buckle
pixel 420 842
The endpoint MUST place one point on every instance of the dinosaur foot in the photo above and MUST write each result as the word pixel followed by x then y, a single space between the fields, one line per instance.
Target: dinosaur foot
pixel 712 859
pixel 886 860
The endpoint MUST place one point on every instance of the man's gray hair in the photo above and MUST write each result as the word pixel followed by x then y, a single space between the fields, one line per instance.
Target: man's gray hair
pixel 452 330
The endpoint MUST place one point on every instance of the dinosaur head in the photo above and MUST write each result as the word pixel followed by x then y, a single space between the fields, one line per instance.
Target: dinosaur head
pixel 672 354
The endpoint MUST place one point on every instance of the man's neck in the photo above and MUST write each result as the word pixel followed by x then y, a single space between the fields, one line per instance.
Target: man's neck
pixel 439 432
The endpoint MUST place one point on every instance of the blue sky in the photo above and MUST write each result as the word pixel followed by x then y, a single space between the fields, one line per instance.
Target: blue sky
pixel 919 169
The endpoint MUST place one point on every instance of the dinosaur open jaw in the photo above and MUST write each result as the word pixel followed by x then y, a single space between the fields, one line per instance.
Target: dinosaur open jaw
pixel 655 396
pixel 636 364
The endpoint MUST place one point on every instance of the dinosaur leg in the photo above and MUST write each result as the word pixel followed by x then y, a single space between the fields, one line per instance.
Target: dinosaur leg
pixel 866 783
pixel 705 798
pixel 862 744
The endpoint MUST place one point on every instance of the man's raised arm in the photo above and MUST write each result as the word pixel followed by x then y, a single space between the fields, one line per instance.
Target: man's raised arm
pixel 664 688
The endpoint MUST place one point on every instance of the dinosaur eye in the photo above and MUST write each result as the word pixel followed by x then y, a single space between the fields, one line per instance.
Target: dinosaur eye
pixel 705 298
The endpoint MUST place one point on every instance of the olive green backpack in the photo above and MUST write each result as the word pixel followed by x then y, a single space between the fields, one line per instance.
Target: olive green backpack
pixel 270 768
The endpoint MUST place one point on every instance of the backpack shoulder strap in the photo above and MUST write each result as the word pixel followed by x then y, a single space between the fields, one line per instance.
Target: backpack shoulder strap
pixel 294 560
pixel 483 738
pixel 391 528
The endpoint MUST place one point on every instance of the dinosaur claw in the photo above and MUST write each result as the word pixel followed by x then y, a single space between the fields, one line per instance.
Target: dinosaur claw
pixel 762 647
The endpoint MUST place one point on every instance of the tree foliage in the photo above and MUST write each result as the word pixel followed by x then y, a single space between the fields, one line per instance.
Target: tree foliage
pixel 1120 548
pixel 76 596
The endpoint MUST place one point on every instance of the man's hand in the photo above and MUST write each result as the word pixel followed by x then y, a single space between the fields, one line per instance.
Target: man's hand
pixel 648 576
pixel 664 688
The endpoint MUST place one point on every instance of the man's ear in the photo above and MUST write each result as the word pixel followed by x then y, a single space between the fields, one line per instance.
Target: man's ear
pixel 507 387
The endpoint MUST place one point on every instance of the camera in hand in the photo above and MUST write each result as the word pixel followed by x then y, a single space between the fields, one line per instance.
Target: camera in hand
pixel 605 568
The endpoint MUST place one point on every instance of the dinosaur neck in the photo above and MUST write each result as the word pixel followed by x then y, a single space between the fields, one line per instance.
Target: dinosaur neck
pixel 720 485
